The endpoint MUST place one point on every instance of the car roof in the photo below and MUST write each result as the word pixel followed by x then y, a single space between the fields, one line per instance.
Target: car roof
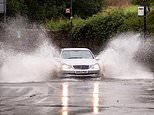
pixel 75 49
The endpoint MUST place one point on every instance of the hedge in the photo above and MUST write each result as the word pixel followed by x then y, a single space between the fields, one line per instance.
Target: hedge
pixel 99 27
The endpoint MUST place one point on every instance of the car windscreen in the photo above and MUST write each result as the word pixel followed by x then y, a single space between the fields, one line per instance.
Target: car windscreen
pixel 77 54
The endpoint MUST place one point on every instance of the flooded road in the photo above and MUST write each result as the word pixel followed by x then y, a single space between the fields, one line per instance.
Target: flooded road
pixel 78 97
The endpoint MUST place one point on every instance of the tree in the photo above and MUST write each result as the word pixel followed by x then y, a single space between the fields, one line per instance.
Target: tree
pixel 16 6
pixel 85 8
pixel 51 9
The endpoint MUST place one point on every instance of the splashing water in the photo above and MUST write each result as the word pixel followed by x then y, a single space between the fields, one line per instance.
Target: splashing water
pixel 27 55
pixel 118 59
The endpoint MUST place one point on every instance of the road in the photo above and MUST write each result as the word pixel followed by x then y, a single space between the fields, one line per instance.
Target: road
pixel 78 97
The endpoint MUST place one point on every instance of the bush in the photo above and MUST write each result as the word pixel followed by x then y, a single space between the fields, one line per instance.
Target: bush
pixel 150 22
pixel 132 22
pixel 16 6
pixel 99 27
pixel 135 2
pixel 58 25
pixel 117 3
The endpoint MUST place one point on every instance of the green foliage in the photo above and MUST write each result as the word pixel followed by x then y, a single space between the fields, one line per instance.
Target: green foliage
pixel 132 23
pixel 58 25
pixel 45 9
pixel 85 8
pixel 135 2
pixel 141 2
pixel 132 9
pixel 64 24
pixel 117 3
pixel 14 6
pixel 99 27
pixel 150 22
pixel 49 9
pixel 102 26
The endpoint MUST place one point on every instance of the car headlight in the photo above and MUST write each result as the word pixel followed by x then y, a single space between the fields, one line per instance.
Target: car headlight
pixel 65 67
pixel 95 66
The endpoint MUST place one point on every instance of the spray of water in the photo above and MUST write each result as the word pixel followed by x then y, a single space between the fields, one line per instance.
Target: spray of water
pixel 26 53
pixel 120 59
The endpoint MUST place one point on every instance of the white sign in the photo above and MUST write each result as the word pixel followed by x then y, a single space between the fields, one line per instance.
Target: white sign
pixel 67 10
pixel 140 10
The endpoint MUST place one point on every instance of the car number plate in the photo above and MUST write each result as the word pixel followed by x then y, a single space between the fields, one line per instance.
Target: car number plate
pixel 81 72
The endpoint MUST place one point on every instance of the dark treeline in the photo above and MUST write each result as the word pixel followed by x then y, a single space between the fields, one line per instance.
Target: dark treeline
pixel 52 9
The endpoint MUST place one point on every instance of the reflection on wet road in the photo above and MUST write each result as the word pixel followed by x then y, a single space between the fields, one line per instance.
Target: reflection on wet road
pixel 78 97
pixel 65 99
pixel 96 98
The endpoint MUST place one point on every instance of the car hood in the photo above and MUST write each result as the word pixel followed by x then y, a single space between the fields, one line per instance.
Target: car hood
pixel 79 61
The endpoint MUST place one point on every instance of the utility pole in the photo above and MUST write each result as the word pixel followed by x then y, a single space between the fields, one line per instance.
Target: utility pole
pixel 142 11
pixel 70 12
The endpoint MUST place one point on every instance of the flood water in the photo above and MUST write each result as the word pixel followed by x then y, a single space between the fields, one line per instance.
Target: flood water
pixel 78 97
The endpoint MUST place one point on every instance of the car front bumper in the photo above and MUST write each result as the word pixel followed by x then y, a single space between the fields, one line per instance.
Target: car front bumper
pixel 81 73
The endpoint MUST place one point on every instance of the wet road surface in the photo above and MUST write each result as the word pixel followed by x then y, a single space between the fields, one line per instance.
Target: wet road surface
pixel 78 97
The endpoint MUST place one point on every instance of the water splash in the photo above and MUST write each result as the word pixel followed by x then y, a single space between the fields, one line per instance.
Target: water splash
pixel 27 54
pixel 119 61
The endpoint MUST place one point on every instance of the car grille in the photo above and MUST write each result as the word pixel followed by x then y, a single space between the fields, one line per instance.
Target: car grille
pixel 81 66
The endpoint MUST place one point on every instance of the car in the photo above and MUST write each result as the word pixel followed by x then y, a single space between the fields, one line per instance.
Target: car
pixel 78 62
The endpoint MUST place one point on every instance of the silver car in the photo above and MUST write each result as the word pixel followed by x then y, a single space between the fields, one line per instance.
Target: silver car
pixel 79 62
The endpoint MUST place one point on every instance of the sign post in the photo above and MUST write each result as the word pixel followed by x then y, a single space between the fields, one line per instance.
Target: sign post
pixel 70 11
pixel 142 11
pixel 145 15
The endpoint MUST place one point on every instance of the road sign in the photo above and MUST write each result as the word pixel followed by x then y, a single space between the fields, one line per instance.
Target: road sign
pixel 140 10
pixel 67 10
pixel 2 6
